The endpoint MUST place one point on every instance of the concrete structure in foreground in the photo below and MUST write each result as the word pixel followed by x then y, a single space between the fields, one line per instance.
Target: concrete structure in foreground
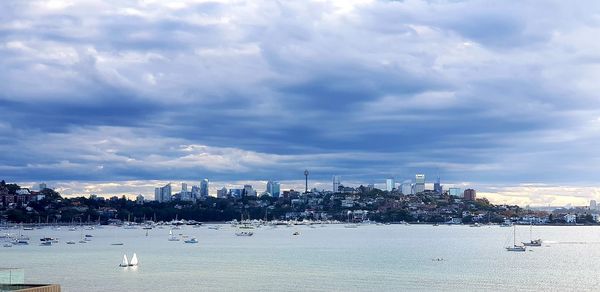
pixel 30 287
pixel 13 279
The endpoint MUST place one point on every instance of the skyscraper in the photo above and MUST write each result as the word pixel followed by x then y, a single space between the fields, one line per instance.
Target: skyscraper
pixel 274 188
pixel 183 187
pixel 419 183
pixel 163 194
pixel 204 188
pixel 336 183
pixel 390 184
pixel 249 191
pixel 437 186
pixel 469 195
pixel 406 187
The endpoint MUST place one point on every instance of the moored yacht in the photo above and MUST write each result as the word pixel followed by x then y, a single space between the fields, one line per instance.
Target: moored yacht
pixel 532 242
pixel 191 240
pixel 515 247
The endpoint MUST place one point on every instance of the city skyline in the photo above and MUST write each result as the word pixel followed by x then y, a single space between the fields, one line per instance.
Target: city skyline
pixel 506 195
pixel 494 96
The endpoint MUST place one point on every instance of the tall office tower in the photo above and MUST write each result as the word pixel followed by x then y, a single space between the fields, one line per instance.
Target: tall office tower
pixel 336 183
pixel 183 187
pixel 163 194
pixel 249 191
pixel 593 205
pixel 406 187
pixel 195 192
pixel 437 186
pixel 274 188
pixel 390 184
pixel 204 188
pixel 419 183
pixel 469 195
pixel 157 194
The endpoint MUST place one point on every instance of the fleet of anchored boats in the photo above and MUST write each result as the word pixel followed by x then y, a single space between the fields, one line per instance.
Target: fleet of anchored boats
pixel 244 229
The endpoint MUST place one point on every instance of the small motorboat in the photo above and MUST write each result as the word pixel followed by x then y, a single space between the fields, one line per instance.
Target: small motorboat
pixel 244 233
pixel 191 240
pixel 46 243
pixel 534 242
pixel 296 233
pixel 70 242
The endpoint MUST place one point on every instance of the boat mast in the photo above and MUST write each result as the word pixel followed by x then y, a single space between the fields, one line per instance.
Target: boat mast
pixel 530 228
pixel 514 235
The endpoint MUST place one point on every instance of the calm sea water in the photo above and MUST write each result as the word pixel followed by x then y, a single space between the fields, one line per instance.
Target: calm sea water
pixel 333 258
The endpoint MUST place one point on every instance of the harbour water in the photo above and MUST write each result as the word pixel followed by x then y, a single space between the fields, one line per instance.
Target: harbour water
pixel 330 258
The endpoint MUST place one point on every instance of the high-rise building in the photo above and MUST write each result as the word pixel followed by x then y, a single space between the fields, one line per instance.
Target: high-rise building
pixel 455 192
pixel 42 186
pixel 204 188
pixel 195 192
pixel 593 205
pixel 222 193
pixel 249 191
pixel 437 186
pixel 406 187
pixel 163 194
pixel 274 188
pixel 469 195
pixel 236 193
pixel 336 183
pixel 419 183
pixel 183 187
pixel 390 184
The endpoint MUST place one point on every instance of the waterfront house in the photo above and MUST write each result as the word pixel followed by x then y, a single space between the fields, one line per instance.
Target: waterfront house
pixel 570 218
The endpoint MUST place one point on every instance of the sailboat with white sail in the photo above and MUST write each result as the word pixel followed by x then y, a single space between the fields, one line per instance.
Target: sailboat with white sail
pixel 515 247
pixel 134 260
pixel 125 262
pixel 172 237
pixel 133 263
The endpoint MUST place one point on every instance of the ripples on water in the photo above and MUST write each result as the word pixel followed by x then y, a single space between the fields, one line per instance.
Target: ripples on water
pixel 334 258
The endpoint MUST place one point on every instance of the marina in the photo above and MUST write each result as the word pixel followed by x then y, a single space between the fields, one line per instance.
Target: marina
pixel 369 257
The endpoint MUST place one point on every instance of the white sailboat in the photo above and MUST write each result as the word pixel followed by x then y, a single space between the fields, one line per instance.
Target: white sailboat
pixel 515 247
pixel 532 242
pixel 125 263
pixel 172 237
pixel 134 261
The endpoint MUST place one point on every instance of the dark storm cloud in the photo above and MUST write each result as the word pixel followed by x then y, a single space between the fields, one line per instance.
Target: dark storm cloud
pixel 482 91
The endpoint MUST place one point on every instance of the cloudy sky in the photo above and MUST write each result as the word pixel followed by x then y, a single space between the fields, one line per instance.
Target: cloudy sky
pixel 114 96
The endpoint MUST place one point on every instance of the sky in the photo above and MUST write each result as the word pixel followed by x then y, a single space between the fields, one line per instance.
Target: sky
pixel 118 96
